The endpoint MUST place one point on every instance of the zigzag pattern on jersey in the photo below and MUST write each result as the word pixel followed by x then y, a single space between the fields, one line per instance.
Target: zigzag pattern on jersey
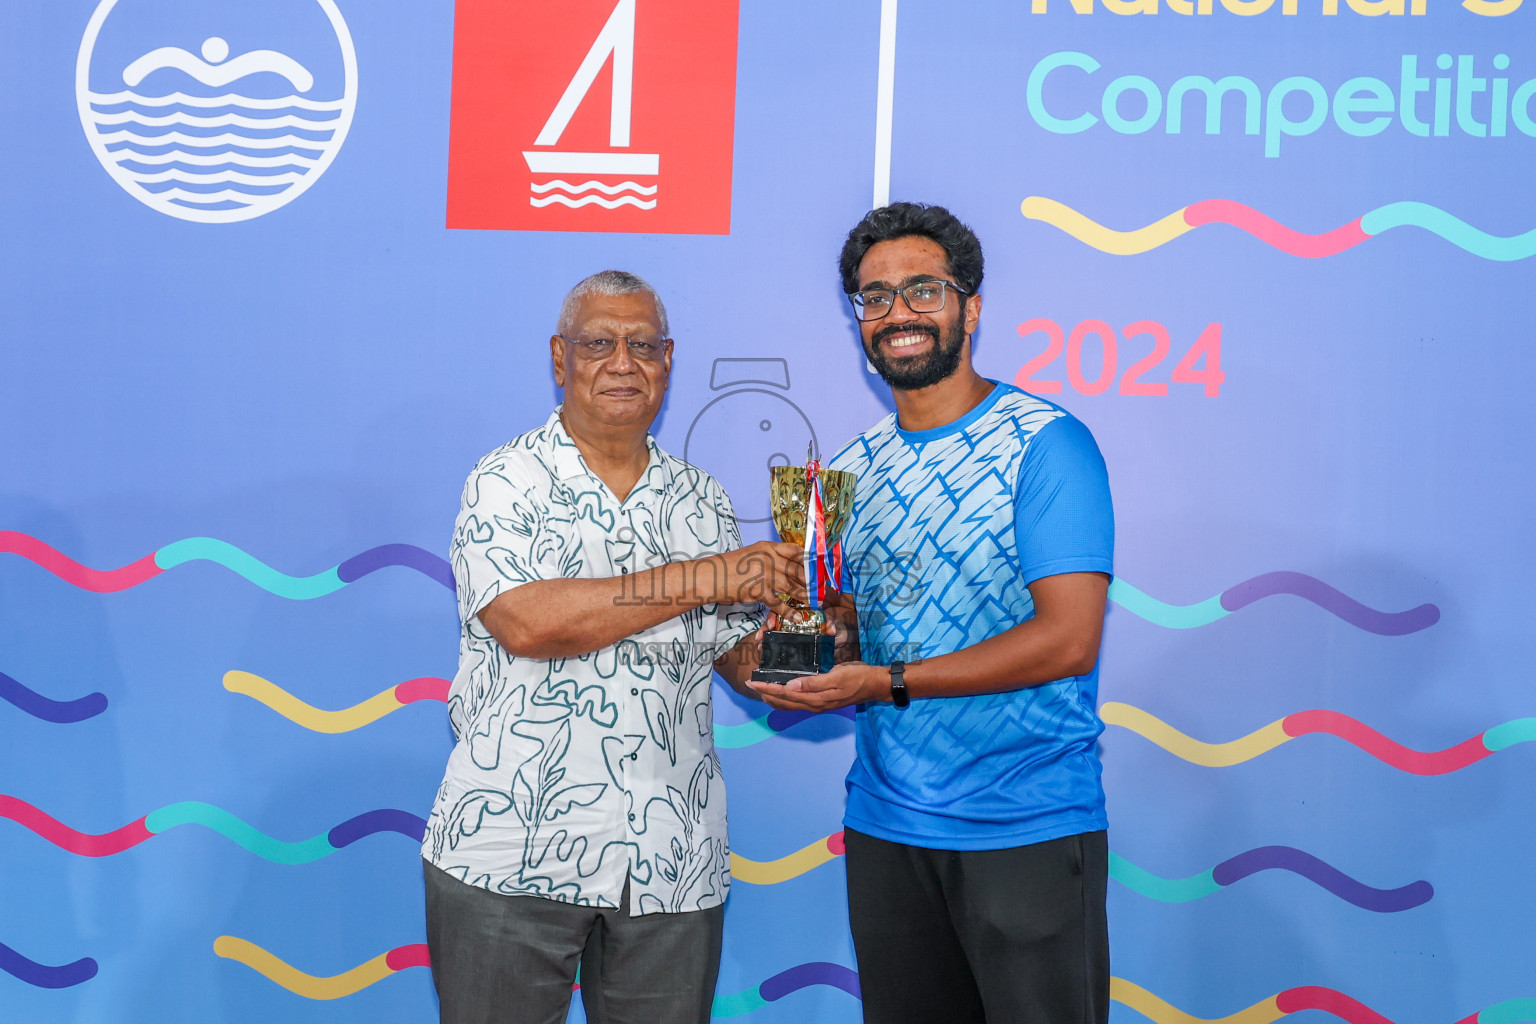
pixel 950 502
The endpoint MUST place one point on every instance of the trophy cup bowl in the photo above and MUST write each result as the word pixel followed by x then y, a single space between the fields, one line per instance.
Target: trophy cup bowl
pixel 801 648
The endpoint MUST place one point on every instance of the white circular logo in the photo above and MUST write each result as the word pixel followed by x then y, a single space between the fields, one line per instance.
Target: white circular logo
pixel 221 120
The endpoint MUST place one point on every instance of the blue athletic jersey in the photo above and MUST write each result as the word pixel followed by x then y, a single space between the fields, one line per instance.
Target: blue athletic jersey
pixel 949 528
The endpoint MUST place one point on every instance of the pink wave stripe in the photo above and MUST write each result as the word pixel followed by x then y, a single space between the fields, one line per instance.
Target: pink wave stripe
pixel 402 957
pixel 425 688
pixel 1316 997
pixel 66 838
pixel 1272 232
pixel 1418 762
pixel 99 581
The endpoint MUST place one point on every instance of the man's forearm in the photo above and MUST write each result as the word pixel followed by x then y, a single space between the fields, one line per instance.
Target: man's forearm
pixel 567 617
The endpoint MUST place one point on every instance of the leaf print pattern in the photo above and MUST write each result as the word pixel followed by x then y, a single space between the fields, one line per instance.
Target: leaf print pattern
pixel 571 775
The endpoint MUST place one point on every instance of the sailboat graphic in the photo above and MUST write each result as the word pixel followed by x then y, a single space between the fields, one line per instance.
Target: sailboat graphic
pixel 616 41
pixel 211 143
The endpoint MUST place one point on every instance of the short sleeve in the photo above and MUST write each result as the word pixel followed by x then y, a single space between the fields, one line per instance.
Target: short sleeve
pixel 1063 518
pixel 502 537
pixel 734 621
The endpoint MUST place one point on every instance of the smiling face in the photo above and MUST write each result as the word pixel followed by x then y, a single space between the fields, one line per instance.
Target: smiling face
pixel 916 350
pixel 618 390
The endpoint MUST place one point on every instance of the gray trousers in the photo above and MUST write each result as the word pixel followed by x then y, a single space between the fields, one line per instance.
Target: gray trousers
pixel 512 959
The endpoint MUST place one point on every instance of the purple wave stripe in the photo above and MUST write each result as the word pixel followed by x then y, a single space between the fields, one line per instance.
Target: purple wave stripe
pixel 408 556
pixel 1329 599
pixel 806 975
pixel 779 720
pixel 1286 858
pixel 371 822
pixel 33 973
pixel 62 712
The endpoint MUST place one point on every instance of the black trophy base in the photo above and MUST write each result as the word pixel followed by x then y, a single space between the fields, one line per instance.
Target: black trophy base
pixel 788 655
pixel 791 654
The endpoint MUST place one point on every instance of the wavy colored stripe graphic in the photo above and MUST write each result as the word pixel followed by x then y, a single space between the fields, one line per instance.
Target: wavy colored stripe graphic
pixel 1167 890
pixel 772 872
pixel 345 720
pixel 42 976
pixel 1269 584
pixel 753 731
pixel 1295 1000
pixel 1282 858
pixel 1302 723
pixel 209 549
pixel 403 957
pixel 1239 215
pixel 409 556
pixel 217 820
pixel 61 712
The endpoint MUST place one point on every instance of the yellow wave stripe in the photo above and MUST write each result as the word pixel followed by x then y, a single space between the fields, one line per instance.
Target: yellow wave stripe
pixel 310 717
pixel 1119 243
pixel 1209 755
pixel 295 980
pixel 1150 1006
pixel 772 872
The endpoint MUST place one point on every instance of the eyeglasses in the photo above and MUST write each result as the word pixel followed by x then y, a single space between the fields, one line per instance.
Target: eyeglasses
pixel 922 297
pixel 643 347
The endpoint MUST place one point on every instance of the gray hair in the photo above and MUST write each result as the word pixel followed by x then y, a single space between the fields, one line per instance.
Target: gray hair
pixel 608 282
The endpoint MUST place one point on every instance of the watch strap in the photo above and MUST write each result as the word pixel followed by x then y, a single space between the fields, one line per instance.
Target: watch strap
pixel 899 696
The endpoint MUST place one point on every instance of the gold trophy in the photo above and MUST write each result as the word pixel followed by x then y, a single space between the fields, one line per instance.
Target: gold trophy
pixel 800 648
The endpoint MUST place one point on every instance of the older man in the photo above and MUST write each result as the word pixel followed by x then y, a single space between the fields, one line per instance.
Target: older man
pixel 976 851
pixel 582 816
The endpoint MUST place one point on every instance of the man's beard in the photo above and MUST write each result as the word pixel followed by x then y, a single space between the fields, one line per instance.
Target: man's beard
pixel 911 373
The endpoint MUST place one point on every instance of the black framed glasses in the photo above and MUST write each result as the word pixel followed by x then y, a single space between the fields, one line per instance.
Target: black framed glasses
pixel 647 348
pixel 920 297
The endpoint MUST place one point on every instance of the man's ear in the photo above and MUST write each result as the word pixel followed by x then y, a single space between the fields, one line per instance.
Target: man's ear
pixel 557 357
pixel 972 313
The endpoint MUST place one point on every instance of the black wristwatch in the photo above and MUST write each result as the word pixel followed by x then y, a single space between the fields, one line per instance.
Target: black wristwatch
pixel 899 695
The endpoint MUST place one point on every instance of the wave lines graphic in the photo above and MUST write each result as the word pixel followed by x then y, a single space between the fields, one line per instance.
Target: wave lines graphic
pixel 345 719
pixel 1133 600
pixel 1302 723
pixel 1265 228
pixel 607 204
pixel 587 186
pixel 60 712
pixel 215 819
pixel 208 549
pixel 401 958
pixel 1295 1000
pixel 1269 858
pixel 1270 584
pixel 115 99
pixel 1145 883
pixel 26 969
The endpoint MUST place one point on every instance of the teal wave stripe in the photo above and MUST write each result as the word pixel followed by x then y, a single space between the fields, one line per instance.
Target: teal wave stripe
pixel 1166 890
pixel 1453 229
pixel 1521 730
pixel 1508 1012
pixel 733 737
pixel 1171 616
pixel 211 549
pixel 739 1004
pixel 232 828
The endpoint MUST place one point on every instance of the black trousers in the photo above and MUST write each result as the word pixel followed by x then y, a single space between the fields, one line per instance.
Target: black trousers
pixel 1014 936
pixel 512 959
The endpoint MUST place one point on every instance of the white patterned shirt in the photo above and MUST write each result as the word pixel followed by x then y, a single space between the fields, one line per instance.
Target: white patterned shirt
pixel 570 775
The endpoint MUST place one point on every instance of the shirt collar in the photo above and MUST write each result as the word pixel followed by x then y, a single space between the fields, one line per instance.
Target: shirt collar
pixel 568 464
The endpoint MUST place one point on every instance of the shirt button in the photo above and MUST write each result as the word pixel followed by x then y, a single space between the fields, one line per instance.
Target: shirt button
pixel 634 690
pixel 634 757
pixel 631 817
